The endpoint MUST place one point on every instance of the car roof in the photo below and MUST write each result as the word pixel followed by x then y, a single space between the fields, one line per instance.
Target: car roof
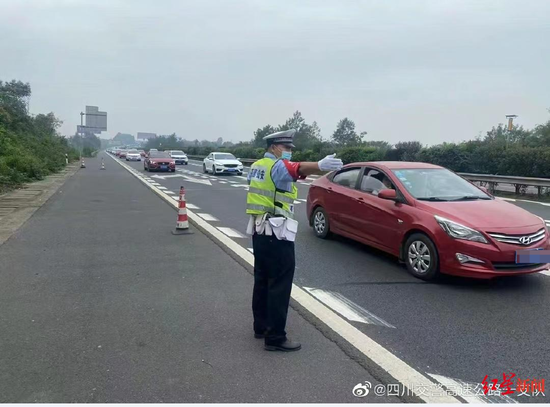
pixel 393 165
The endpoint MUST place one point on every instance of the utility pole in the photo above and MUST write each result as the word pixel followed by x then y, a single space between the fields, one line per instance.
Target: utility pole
pixel 510 118
pixel 81 133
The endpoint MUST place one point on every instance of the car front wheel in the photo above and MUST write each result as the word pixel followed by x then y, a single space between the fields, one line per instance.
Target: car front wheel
pixel 421 257
pixel 204 168
pixel 320 223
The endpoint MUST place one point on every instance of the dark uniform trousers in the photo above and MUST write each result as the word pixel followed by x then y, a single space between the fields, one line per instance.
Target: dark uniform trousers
pixel 274 264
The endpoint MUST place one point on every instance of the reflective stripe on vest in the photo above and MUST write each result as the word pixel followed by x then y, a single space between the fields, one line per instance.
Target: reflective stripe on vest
pixel 263 197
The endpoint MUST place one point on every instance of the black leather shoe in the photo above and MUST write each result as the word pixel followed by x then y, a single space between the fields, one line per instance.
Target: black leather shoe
pixel 286 346
pixel 259 336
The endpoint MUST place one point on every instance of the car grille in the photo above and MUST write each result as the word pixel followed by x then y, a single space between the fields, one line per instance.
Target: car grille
pixel 504 266
pixel 161 163
pixel 231 165
pixel 522 240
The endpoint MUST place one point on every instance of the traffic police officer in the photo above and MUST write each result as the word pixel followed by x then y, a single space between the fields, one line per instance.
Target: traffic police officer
pixel 270 204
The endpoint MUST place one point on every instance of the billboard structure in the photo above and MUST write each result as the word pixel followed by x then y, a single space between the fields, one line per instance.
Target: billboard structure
pixel 146 136
pixel 96 121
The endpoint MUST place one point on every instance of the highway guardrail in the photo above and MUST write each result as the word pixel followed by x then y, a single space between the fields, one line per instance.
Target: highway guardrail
pixel 491 181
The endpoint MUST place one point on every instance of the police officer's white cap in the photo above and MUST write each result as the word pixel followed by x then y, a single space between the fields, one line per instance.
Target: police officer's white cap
pixel 281 137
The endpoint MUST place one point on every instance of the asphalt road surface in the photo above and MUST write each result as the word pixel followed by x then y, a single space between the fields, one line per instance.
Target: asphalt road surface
pixel 456 331
pixel 101 303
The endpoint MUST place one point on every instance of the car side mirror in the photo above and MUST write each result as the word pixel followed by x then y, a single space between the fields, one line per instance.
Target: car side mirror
pixel 388 194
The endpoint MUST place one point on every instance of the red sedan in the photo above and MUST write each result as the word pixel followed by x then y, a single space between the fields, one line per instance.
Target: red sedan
pixel 159 161
pixel 429 217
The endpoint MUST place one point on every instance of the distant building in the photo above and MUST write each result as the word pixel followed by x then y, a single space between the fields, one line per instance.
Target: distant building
pixel 146 136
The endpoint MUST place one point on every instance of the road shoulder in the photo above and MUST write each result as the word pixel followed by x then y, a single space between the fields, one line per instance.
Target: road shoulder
pixel 16 207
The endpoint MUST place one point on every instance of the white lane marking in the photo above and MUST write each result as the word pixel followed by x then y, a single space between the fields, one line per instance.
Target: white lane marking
pixel 231 232
pixel 304 183
pixel 162 188
pixel 207 217
pixel 395 367
pixel 471 392
pixel 223 182
pixel 168 192
pixel 347 308
pixel 297 202
pixel 250 249
pixel 533 202
pixel 232 182
pixel 191 206
pixel 303 200
pixel 245 186
pixel 241 177
pixel 507 199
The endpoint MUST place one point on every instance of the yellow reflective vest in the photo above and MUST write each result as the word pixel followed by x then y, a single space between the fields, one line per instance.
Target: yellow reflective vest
pixel 263 197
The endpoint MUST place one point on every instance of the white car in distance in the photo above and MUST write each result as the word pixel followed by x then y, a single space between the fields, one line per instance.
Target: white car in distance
pixel 179 157
pixel 222 163
pixel 133 155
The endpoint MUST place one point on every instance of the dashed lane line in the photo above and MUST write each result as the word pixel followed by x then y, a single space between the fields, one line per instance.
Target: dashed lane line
pixel 231 232
pixel 207 217
pixel 398 369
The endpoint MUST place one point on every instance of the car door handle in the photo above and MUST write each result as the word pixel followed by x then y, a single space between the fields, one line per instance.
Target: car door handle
pixel 329 190
pixel 360 200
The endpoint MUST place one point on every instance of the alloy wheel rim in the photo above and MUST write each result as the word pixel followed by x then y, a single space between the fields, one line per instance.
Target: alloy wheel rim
pixel 419 257
pixel 319 222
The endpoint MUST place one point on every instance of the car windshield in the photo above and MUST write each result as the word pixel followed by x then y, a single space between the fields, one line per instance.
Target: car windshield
pixel 159 154
pixel 133 152
pixel 224 157
pixel 177 152
pixel 438 184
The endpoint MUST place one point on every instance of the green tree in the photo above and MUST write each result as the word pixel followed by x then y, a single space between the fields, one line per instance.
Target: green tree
pixel 259 135
pixel 345 134
pixel 124 139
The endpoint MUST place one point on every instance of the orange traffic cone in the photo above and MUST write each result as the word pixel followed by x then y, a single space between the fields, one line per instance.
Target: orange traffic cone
pixel 102 164
pixel 182 224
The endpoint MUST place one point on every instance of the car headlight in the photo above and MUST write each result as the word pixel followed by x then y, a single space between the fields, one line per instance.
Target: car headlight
pixel 458 231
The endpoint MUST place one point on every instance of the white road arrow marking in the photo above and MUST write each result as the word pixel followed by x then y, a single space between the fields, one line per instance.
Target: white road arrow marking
pixel 196 180
pixel 347 308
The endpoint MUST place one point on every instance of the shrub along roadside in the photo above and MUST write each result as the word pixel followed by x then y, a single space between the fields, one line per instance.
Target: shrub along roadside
pixel 30 147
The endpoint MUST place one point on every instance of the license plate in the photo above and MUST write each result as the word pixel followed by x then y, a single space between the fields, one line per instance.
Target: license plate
pixel 537 255
pixel 231 169
pixel 163 167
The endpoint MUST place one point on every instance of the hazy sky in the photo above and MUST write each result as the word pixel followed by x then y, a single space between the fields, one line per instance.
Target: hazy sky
pixel 432 71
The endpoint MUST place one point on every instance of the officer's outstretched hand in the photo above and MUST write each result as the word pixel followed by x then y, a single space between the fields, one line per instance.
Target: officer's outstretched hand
pixel 330 163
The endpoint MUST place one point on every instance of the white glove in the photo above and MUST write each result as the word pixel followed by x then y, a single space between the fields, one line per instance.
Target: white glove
pixel 329 163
